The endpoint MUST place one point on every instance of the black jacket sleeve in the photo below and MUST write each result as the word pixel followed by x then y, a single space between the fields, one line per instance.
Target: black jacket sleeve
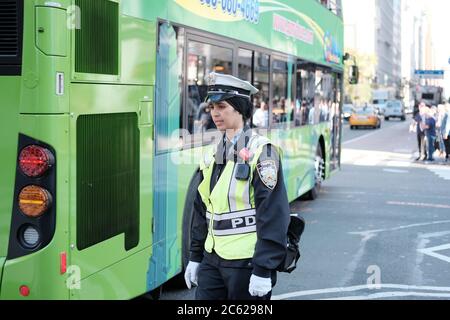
pixel 199 229
pixel 272 219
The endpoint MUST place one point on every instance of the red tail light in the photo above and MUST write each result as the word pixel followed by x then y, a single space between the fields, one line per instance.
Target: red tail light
pixel 24 291
pixel 34 161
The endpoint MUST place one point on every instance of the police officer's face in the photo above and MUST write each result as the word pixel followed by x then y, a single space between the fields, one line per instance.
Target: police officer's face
pixel 226 117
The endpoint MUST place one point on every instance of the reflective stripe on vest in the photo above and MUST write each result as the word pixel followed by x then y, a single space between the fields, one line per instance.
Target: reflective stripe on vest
pixel 235 223
pixel 231 213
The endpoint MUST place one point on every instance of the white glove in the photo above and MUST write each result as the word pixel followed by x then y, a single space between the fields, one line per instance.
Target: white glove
pixel 191 274
pixel 259 287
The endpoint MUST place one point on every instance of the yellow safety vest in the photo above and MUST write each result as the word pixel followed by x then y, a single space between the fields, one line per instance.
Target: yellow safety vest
pixel 231 211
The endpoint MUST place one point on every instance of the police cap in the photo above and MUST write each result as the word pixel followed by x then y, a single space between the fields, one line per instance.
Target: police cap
pixel 223 87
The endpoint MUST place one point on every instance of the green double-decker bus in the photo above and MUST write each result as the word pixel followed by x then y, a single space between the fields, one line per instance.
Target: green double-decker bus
pixel 103 125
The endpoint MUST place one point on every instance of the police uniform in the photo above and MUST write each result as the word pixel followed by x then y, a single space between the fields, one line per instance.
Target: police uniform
pixel 241 211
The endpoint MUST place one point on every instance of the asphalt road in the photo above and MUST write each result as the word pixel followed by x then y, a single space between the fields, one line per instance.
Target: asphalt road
pixel 379 230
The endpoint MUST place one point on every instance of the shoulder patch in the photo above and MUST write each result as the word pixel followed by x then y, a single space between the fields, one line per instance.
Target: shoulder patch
pixel 268 173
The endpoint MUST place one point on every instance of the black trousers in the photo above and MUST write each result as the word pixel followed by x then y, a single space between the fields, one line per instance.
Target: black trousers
pixel 216 282
pixel 447 147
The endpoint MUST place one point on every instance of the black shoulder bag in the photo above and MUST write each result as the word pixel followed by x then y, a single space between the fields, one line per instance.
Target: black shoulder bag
pixel 295 231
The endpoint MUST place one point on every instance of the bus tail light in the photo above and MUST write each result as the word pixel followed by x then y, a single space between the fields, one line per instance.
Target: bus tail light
pixel 34 201
pixel 33 220
pixel 24 291
pixel 30 237
pixel 34 161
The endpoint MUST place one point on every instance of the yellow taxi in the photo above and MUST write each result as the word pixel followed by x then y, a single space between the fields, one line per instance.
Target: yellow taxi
pixel 365 117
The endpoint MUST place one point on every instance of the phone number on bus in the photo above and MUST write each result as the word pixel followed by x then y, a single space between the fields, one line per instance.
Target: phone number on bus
pixel 248 9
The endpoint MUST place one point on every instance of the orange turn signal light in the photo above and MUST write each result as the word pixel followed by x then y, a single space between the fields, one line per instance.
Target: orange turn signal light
pixel 34 201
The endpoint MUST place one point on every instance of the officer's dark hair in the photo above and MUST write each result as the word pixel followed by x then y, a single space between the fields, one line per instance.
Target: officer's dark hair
pixel 242 105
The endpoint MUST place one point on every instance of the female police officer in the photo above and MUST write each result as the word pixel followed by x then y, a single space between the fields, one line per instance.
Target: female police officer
pixel 241 213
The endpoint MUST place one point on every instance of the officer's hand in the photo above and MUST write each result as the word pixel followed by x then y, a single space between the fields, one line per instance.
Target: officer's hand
pixel 191 274
pixel 259 287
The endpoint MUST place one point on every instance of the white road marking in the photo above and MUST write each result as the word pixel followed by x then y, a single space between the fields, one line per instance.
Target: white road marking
pixel 344 192
pixel 395 170
pixel 370 134
pixel 365 233
pixel 395 294
pixel 422 205
pixel 443 173
pixel 434 234
pixel 372 158
pixel 361 137
pixel 403 164
pixel 432 252
pixel 408 289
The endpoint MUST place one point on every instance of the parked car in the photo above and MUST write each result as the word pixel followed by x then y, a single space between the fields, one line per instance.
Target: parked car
pixel 366 116
pixel 395 109
pixel 347 111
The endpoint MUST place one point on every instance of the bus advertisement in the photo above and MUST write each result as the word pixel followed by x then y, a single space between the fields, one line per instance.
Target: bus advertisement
pixel 103 126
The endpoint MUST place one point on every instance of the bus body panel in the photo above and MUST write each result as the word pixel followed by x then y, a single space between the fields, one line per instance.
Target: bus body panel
pixel 124 280
pixel 106 99
pixel 311 37
pixel 9 97
pixel 42 268
pixel 46 75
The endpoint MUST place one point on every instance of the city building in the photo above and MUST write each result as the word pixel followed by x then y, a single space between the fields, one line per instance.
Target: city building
pixel 378 32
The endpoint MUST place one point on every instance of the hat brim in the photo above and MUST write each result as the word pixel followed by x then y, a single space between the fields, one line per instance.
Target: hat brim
pixel 216 97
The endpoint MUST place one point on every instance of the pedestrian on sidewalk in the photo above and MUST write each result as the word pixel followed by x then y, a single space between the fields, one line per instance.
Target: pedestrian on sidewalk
pixel 445 131
pixel 439 134
pixel 420 131
pixel 430 133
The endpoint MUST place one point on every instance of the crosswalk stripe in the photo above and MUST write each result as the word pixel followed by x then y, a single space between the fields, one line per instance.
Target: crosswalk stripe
pixel 443 173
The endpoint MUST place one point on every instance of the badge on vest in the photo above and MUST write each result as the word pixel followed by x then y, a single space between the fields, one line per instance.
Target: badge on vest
pixel 268 173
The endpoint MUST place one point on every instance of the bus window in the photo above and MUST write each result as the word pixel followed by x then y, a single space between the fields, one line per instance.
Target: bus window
pixel 261 80
pixel 325 83
pixel 279 91
pixel 335 121
pixel 245 65
pixel 203 59
pixel 305 94
pixel 280 95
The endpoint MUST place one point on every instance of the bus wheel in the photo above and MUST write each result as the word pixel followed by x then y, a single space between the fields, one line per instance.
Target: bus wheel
pixel 186 228
pixel 319 168
pixel 156 294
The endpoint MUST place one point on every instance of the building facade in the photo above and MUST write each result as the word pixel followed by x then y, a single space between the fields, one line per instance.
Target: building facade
pixel 375 27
